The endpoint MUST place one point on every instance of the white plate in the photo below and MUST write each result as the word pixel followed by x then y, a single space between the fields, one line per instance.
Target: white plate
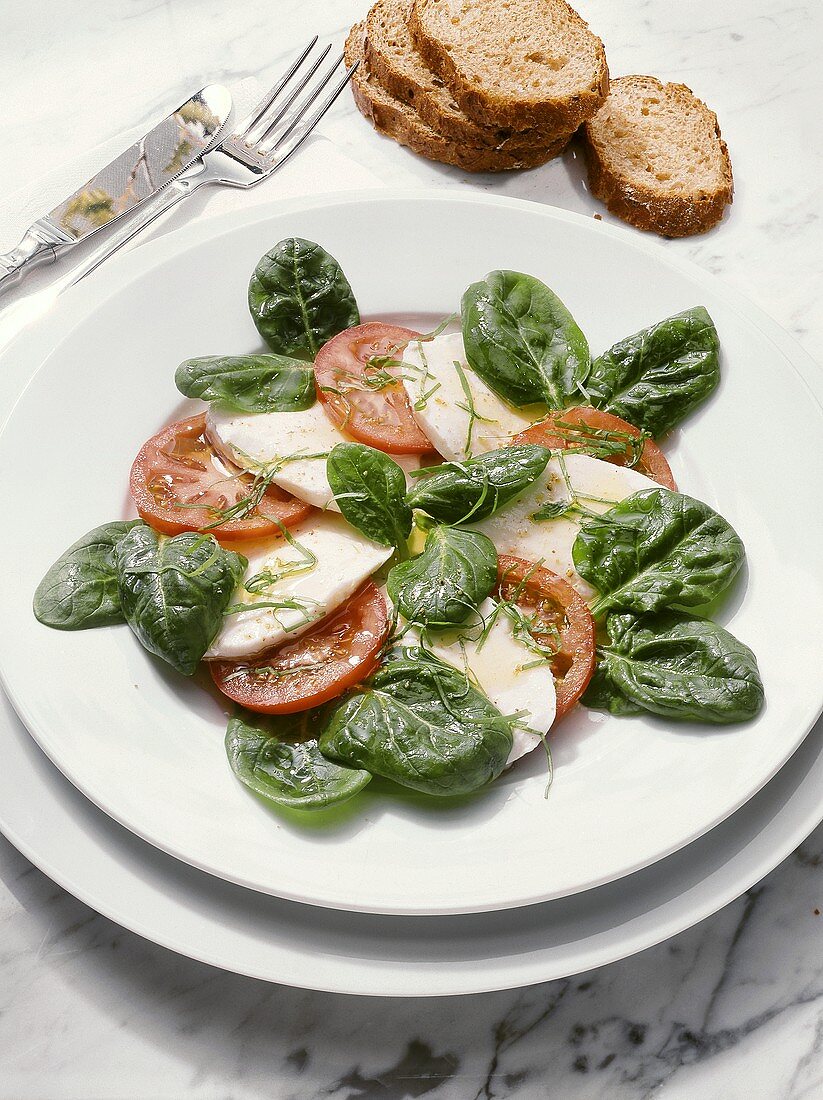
pixel 146 745
pixel 203 918
pixel 176 906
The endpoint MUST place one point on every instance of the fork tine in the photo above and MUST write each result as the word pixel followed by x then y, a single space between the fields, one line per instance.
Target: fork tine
pixel 267 125
pixel 307 103
pixel 242 130
pixel 318 114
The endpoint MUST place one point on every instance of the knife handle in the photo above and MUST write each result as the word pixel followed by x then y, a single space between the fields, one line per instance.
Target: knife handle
pixel 40 245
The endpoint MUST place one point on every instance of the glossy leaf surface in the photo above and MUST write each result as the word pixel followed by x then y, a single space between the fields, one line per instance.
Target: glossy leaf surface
pixel 522 341
pixel 423 725
pixel 299 298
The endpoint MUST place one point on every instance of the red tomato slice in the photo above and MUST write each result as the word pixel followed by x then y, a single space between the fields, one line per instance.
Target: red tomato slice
pixel 349 387
pixel 557 430
pixel 179 484
pixel 568 625
pixel 339 652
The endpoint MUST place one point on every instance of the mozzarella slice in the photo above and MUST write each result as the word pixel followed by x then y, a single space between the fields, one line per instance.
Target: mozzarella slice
pixel 499 668
pixel 344 560
pixel 258 441
pixel 597 485
pixel 441 407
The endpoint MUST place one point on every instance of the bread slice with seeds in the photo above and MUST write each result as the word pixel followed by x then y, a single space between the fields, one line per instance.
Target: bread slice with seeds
pixel 396 63
pixel 514 63
pixel 656 158
pixel 398 120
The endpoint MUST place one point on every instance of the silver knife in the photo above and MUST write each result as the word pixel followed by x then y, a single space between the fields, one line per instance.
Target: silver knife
pixel 141 171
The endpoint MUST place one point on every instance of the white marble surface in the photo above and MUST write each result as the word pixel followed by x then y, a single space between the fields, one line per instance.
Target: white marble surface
pixel 733 1008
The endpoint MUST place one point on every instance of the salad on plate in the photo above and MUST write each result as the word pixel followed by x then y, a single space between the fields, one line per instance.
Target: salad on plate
pixel 409 555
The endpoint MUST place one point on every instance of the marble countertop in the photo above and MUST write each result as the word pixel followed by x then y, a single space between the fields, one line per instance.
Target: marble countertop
pixel 732 1008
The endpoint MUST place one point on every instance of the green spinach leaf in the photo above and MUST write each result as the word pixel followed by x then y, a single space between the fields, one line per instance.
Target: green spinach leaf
pixel 299 298
pixel 656 377
pixel 447 582
pixel 523 342
pixel 603 694
pixel 249 383
pixel 423 725
pixel 370 490
pixel 80 590
pixel 265 755
pixel 457 492
pixel 174 591
pixel 657 549
pixel 677 666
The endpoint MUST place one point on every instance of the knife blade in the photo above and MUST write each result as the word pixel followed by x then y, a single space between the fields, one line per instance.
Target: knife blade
pixel 139 172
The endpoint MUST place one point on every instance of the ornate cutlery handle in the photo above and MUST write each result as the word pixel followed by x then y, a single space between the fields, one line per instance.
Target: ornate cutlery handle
pixel 194 176
pixel 40 245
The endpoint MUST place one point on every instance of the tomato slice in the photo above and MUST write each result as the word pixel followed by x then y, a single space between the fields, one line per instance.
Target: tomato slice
pixel 568 625
pixel 558 430
pixel 179 483
pixel 339 652
pixel 349 385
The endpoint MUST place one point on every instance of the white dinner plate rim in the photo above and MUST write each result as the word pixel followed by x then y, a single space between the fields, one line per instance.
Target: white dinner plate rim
pixel 405 982
pixel 146 257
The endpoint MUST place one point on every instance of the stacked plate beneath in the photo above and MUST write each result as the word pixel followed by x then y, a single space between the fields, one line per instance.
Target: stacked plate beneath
pixel 147 747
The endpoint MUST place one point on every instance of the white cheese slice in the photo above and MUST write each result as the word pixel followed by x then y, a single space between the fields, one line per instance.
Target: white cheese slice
pixel 597 485
pixel 257 441
pixel 344 560
pixel 499 666
pixel 441 407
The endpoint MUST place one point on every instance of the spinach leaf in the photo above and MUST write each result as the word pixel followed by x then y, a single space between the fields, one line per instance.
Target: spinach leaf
pixel 80 590
pixel 457 492
pixel 656 377
pixel 447 582
pixel 523 342
pixel 657 549
pixel 603 694
pixel 265 756
pixel 174 591
pixel 299 298
pixel 370 490
pixel 676 666
pixel 249 383
pixel 423 725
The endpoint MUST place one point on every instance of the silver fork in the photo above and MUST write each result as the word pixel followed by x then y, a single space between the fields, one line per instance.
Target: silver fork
pixel 263 142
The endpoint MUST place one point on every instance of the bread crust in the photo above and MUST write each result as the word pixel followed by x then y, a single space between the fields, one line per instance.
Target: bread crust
pixel 563 114
pixel 674 215
pixel 433 106
pixel 399 121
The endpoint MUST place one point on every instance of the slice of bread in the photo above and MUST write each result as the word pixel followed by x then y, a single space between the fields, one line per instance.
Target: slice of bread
pixel 398 120
pixel 656 158
pixel 395 63
pixel 517 63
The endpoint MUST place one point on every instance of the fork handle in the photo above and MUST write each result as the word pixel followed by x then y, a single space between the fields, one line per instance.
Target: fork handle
pixel 40 245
